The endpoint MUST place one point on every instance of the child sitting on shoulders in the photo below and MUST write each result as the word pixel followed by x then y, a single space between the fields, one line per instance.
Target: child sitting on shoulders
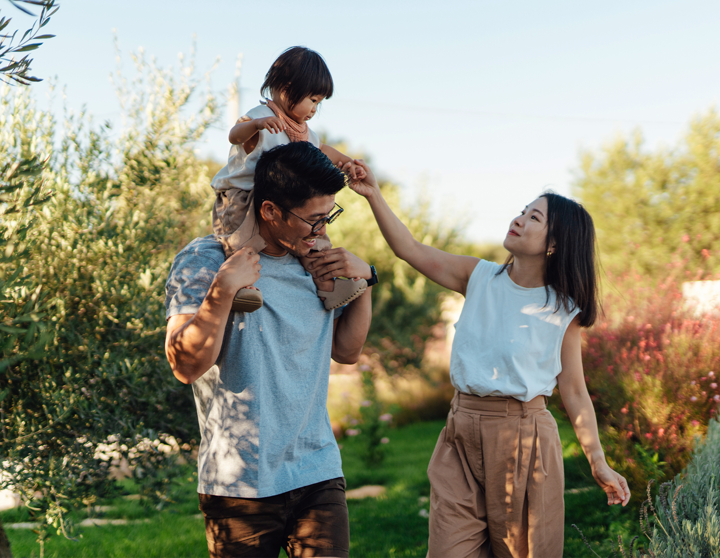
pixel 297 82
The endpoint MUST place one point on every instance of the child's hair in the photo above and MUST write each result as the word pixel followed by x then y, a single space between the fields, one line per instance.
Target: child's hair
pixel 289 175
pixel 571 270
pixel 299 73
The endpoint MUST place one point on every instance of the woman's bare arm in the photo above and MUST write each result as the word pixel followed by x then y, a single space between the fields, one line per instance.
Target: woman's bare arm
pixel 449 270
pixel 578 404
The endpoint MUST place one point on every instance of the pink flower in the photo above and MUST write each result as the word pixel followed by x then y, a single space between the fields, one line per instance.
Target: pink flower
pixel 695 423
pixel 661 432
pixel 352 432
pixel 711 374
pixel 624 410
pixel 384 440
pixel 366 403
pixel 716 398
pixel 713 385
pixel 648 435
pixel 693 399
pixel 387 417
pixel 692 383
pixel 686 238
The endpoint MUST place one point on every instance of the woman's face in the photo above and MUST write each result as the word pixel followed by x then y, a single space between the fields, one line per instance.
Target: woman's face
pixel 528 231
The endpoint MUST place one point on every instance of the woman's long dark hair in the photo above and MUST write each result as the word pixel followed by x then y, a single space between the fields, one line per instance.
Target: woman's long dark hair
pixel 571 270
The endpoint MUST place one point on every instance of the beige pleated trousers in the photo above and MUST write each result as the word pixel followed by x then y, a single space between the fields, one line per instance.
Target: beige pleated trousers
pixel 497 481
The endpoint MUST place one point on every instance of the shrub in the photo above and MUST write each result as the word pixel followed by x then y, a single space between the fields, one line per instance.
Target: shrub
pixel 687 510
pixel 652 371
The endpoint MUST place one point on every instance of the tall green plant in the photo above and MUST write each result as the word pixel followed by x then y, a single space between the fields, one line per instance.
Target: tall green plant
pixel 650 207
pixel 124 201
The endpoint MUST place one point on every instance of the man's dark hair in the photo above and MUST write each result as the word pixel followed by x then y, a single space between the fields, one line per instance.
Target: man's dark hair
pixel 300 73
pixel 289 175
pixel 572 268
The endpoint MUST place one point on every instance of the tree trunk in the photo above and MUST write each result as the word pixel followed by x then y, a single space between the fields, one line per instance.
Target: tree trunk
pixel 5 551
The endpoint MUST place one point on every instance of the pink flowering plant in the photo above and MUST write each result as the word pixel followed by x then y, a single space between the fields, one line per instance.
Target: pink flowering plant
pixel 652 369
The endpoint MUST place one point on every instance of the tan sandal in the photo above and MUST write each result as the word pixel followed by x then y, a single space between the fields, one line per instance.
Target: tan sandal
pixel 344 291
pixel 247 300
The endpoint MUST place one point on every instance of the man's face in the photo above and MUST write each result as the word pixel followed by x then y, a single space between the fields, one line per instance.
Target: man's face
pixel 293 234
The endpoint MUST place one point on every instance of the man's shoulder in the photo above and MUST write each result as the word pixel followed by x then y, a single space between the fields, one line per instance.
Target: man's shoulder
pixel 207 246
pixel 204 249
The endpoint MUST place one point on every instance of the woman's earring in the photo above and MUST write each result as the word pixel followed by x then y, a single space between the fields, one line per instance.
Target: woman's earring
pixel 549 253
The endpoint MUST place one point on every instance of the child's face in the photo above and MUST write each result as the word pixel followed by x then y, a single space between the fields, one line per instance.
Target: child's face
pixel 305 109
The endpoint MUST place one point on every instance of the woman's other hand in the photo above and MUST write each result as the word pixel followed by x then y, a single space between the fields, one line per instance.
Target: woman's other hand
pixel 614 484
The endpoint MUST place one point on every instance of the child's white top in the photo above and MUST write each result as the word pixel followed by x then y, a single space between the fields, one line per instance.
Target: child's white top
pixel 508 339
pixel 240 170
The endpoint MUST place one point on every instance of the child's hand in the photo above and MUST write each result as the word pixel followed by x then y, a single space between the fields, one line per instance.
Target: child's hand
pixel 365 185
pixel 272 124
pixel 353 170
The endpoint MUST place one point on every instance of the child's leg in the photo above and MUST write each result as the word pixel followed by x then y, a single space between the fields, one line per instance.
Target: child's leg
pixel 234 226
pixel 335 292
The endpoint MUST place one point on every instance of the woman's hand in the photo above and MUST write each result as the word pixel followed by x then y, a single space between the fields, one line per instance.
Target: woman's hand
pixel 614 485
pixel 366 185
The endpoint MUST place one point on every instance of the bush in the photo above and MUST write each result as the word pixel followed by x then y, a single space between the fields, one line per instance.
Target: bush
pixel 95 257
pixel 652 370
pixel 687 510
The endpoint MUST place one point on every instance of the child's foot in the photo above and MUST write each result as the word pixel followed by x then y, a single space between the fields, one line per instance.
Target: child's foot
pixel 247 300
pixel 343 292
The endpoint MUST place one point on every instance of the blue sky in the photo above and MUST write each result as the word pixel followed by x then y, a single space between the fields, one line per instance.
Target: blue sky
pixel 480 105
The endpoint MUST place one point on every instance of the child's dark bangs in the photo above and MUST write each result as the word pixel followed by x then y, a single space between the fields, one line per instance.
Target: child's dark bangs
pixel 313 79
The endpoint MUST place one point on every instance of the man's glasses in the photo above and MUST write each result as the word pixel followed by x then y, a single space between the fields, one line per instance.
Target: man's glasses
pixel 317 225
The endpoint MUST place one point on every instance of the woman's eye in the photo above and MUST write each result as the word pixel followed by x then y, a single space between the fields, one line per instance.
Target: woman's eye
pixel 533 217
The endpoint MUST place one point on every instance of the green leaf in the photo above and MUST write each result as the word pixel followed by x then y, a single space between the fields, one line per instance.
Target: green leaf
pixel 29 47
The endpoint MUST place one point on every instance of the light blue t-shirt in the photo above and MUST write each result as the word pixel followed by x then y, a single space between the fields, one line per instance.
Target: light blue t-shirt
pixel 262 408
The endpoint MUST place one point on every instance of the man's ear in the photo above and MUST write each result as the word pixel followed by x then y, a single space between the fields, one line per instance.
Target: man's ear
pixel 269 211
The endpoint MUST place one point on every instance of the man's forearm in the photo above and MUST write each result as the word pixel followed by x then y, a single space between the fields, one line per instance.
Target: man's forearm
pixel 192 345
pixel 352 329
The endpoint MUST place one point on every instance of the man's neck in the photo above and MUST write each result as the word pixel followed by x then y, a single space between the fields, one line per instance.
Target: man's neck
pixel 273 248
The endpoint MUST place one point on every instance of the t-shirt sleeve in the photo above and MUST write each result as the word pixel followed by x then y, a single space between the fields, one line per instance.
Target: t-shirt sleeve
pixel 191 275
pixel 484 270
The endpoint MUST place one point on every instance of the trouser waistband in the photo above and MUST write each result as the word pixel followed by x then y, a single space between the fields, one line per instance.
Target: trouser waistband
pixel 497 406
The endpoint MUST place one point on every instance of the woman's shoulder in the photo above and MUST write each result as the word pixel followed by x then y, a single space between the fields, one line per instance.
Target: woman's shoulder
pixel 485 270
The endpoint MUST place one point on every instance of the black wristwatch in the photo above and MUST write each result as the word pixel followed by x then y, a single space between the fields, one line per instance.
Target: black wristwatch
pixel 374 279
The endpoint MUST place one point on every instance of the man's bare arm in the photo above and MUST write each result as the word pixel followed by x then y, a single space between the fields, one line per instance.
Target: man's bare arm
pixel 193 341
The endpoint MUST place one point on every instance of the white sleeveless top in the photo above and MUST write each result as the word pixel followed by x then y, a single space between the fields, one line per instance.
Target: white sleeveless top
pixel 508 339
pixel 240 170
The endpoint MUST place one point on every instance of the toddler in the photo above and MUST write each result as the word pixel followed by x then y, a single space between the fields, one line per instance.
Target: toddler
pixel 297 82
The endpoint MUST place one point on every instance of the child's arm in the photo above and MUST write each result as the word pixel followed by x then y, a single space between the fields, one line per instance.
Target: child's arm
pixel 571 382
pixel 247 127
pixel 339 160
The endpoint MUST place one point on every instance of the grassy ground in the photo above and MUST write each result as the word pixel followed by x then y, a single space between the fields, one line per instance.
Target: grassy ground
pixel 389 526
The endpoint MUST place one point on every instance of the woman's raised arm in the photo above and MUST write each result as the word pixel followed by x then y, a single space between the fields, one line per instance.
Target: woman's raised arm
pixel 449 270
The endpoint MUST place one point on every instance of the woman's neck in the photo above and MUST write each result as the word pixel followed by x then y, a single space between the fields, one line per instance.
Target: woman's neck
pixel 528 273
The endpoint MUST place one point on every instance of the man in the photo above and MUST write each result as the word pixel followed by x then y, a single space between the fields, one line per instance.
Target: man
pixel 269 470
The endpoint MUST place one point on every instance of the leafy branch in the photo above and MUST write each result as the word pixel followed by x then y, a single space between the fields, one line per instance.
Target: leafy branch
pixel 18 71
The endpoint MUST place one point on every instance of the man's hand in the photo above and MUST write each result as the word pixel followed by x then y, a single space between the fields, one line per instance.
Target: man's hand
pixel 337 262
pixel 240 270
pixel 272 124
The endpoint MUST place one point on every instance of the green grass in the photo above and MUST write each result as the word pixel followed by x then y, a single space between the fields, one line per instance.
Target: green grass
pixel 387 526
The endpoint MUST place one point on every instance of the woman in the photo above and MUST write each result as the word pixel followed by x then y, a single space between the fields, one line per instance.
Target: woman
pixel 497 472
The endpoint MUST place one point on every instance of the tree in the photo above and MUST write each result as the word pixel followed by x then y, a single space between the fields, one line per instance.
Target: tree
pixel 20 192
pixel 653 209
pixel 95 261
